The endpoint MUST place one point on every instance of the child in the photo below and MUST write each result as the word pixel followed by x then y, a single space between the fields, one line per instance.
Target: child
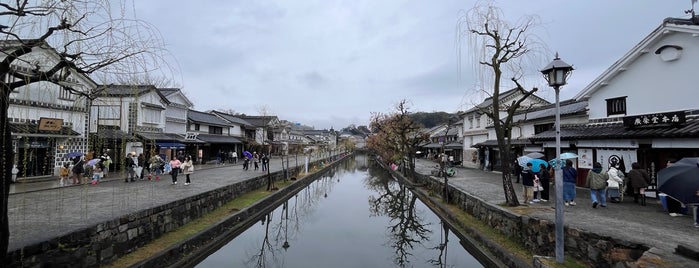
pixel 64 173
pixel 97 174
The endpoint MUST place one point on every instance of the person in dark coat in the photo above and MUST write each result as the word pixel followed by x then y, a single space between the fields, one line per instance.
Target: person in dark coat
pixel 528 184
pixel 570 177
pixel 545 181
pixel 638 181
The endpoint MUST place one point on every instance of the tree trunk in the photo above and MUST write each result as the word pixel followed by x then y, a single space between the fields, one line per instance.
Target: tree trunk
pixel 6 160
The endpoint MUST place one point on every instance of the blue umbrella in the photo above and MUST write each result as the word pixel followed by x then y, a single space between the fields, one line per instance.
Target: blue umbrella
pixel 536 163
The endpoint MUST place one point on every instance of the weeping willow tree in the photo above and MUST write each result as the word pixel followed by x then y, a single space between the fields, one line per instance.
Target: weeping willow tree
pixel 52 50
pixel 501 49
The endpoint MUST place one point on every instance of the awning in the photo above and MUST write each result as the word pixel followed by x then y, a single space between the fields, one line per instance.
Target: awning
pixel 32 130
pixel 170 145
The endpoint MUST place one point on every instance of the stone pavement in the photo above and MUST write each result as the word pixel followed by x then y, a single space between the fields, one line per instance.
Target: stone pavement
pixel 44 211
pixel 649 225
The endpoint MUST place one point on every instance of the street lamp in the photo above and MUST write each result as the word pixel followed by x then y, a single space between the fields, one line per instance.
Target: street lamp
pixel 556 74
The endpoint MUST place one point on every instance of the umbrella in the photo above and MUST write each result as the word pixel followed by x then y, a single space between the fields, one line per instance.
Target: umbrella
pixel 92 162
pixel 535 155
pixel 74 154
pixel 568 156
pixel 523 160
pixel 536 163
pixel 554 162
pixel 247 154
pixel 564 156
pixel 681 180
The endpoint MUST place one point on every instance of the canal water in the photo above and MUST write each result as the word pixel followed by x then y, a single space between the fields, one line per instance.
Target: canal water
pixel 354 216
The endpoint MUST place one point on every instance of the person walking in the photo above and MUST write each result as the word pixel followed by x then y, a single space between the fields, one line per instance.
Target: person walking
pixel 65 171
pixel 597 182
pixel 155 167
pixel 545 182
pixel 130 163
pixel 234 155
pixel 187 169
pixel 570 177
pixel 614 183
pixel 107 161
pixel 638 182
pixel 175 169
pixel 265 162
pixel 78 170
pixel 256 160
pixel 528 184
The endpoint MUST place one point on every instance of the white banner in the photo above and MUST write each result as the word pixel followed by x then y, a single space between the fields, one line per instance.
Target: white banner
pixel 623 157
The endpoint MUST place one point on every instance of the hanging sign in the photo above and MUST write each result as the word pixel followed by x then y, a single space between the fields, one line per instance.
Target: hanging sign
pixel 50 124
pixel 655 120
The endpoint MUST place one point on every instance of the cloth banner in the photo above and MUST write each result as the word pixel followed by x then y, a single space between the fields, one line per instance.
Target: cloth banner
pixel 623 157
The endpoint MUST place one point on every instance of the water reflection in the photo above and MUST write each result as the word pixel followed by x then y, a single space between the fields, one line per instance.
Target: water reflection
pixel 328 225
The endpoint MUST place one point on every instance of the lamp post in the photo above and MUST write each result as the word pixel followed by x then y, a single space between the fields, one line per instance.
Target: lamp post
pixel 556 74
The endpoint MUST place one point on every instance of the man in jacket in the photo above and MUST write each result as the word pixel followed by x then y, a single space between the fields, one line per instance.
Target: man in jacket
pixel 597 182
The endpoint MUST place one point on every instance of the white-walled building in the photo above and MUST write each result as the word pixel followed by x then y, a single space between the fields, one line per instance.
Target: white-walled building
pixel 46 120
pixel 480 146
pixel 642 108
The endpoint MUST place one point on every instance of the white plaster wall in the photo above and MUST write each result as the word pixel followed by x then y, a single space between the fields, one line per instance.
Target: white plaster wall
pixel 653 85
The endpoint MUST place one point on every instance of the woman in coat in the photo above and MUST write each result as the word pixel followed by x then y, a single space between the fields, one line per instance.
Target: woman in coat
pixel 638 181
pixel 597 182
pixel 614 183
pixel 187 169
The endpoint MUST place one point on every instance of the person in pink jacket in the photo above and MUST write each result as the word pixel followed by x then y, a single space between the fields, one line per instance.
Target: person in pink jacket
pixel 175 165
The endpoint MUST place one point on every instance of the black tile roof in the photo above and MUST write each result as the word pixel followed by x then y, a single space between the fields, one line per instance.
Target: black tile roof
pixel 569 107
pixel 209 119
pixel 232 118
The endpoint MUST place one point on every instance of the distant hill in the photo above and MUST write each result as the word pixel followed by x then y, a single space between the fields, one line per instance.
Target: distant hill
pixel 430 120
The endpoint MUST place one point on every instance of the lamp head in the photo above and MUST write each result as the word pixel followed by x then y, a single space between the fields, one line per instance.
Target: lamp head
pixel 556 73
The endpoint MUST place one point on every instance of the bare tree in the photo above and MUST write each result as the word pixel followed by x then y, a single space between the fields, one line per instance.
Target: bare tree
pixel 503 49
pixel 99 38
pixel 395 136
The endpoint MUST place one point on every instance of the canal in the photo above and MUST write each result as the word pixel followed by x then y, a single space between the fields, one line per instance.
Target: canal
pixel 356 215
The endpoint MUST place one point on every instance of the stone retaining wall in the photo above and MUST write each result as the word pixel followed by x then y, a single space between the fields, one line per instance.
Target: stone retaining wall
pixel 538 235
pixel 105 242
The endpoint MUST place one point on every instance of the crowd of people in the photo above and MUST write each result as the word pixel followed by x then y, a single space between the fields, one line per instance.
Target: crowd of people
pixel 603 185
pixel 88 167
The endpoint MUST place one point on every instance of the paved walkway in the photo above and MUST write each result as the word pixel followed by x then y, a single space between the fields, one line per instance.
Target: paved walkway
pixel 649 225
pixel 43 211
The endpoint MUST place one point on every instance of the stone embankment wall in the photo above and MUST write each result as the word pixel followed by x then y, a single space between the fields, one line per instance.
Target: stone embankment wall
pixel 536 235
pixel 105 242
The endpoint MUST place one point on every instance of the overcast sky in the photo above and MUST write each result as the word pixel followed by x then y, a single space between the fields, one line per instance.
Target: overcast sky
pixel 330 63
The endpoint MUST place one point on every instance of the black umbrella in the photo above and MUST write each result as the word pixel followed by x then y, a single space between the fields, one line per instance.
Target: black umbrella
pixel 681 180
